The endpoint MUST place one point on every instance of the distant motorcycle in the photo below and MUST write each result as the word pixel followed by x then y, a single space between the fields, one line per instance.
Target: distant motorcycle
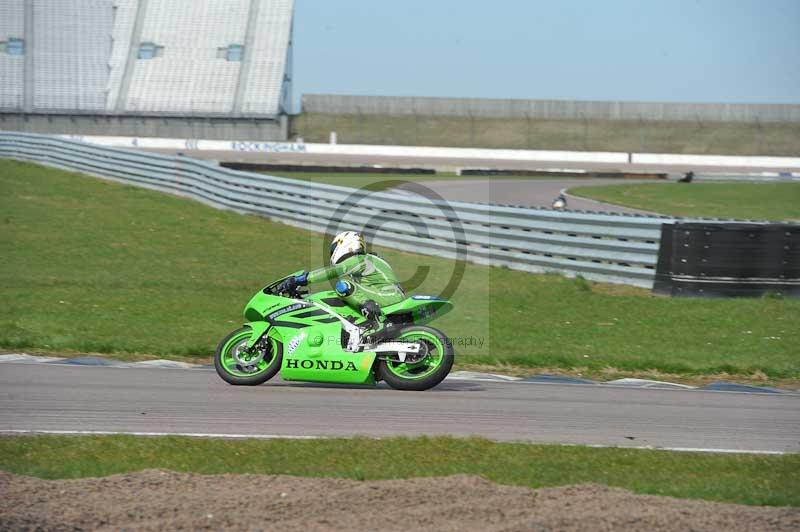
pixel 319 338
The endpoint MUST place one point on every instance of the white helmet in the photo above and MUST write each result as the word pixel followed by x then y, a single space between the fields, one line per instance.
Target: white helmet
pixel 346 244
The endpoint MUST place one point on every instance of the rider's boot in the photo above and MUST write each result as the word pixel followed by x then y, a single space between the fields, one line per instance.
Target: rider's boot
pixel 372 313
pixel 374 328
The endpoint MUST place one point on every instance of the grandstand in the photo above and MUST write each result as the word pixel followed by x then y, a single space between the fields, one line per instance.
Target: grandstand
pixel 177 68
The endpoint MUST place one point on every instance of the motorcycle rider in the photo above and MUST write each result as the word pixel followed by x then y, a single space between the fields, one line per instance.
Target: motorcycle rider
pixel 365 281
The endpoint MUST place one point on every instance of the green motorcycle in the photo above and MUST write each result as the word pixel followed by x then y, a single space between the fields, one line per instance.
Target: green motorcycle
pixel 319 338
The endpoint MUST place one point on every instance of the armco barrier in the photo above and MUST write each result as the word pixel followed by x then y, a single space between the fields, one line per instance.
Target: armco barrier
pixel 602 247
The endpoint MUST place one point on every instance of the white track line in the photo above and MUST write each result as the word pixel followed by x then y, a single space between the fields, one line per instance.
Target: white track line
pixel 683 449
pixel 727 451
pixel 159 434
pixel 295 437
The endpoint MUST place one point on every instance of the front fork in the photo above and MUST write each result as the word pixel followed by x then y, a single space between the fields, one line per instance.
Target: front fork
pixel 259 328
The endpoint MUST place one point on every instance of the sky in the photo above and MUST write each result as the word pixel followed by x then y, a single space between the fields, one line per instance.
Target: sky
pixel 728 51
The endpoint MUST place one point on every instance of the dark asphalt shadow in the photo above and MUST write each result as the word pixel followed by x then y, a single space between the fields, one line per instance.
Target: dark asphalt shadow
pixel 460 386
pixel 443 387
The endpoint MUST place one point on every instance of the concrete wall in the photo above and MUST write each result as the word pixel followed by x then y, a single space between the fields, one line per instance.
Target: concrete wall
pixel 550 109
pixel 148 126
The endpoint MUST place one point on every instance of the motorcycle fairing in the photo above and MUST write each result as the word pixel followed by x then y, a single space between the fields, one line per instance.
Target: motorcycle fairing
pixel 315 354
pixel 421 309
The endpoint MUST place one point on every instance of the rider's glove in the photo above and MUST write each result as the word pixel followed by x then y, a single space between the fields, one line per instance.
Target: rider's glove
pixel 287 286
pixel 302 279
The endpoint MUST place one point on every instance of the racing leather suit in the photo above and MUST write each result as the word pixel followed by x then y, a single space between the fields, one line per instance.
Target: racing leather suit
pixel 362 278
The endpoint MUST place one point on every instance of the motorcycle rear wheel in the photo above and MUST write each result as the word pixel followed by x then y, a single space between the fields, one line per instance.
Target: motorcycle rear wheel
pixel 422 374
pixel 240 375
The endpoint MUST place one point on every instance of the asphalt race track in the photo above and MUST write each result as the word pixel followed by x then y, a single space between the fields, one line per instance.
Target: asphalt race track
pixel 446 163
pixel 524 192
pixel 45 397
pixel 528 192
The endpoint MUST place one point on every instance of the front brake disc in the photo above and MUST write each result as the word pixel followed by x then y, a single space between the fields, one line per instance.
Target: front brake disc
pixel 242 356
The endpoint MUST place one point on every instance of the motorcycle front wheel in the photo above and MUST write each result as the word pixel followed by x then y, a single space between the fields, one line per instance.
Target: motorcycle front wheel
pixel 235 365
pixel 424 371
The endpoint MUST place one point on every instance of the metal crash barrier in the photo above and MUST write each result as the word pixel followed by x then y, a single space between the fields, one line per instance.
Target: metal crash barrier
pixel 604 247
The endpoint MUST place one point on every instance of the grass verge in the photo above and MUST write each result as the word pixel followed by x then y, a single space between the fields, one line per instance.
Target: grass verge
pixel 744 479
pixel 97 267
pixel 744 201
pixel 386 181
pixel 637 136
pixel 357 180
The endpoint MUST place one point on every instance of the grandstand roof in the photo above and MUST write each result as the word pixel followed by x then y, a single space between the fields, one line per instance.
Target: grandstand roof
pixel 163 57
